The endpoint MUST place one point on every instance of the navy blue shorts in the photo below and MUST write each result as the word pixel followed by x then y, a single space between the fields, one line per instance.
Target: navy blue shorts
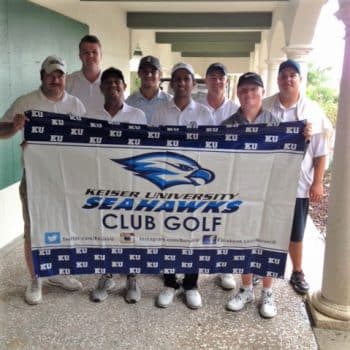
pixel 299 221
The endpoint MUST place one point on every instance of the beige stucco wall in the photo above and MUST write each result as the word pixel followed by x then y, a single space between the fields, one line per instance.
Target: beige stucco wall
pixel 107 22
pixel 146 41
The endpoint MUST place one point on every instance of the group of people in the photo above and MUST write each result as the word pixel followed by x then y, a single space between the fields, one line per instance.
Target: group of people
pixel 98 94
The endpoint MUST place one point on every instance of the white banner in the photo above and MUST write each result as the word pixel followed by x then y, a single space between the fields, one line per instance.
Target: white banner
pixel 132 199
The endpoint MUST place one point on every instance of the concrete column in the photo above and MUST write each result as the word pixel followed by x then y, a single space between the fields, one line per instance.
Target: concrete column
pixel 299 53
pixel 251 61
pixel 263 73
pixel 272 87
pixel 334 298
pixel 256 62
pixel 262 61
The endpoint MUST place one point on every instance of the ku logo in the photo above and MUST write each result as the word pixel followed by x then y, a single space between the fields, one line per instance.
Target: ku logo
pixel 52 238
pixel 37 114
pixel 167 169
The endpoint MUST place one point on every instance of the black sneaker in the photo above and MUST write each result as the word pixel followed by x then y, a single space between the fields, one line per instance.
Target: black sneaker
pixel 297 280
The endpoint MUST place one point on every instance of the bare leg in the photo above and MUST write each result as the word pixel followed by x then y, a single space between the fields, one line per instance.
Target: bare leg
pixel 28 258
pixel 27 244
pixel 296 255
pixel 267 282
pixel 247 280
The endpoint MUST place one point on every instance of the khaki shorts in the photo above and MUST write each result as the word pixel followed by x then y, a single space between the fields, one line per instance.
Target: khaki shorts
pixel 25 211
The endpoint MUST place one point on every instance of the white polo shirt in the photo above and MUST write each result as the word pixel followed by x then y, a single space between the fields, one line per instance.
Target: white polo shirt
pixel 225 110
pixel 193 115
pixel 127 114
pixel 317 147
pixel 303 109
pixel 88 93
pixel 36 100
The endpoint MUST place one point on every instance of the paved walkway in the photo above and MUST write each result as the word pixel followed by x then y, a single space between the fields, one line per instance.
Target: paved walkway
pixel 70 321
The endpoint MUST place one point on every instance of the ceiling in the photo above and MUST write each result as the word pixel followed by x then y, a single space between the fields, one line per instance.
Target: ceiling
pixel 203 28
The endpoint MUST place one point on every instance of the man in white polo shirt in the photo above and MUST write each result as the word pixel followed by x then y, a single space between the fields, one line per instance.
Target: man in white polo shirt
pixel 85 83
pixel 217 102
pixel 115 111
pixel 221 108
pixel 50 97
pixel 181 110
pixel 289 105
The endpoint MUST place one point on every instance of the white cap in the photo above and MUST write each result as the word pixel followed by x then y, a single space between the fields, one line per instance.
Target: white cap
pixel 182 65
pixel 52 63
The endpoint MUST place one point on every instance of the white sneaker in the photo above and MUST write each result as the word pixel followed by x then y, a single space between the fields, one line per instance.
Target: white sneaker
pixel 104 285
pixel 267 307
pixel 238 301
pixel 227 281
pixel 256 280
pixel 166 297
pixel 133 291
pixel 193 299
pixel 65 282
pixel 33 295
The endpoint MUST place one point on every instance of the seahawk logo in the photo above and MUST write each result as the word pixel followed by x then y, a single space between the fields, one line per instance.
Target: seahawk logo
pixel 167 169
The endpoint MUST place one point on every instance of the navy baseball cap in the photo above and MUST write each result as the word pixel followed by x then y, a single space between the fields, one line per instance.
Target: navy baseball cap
pixel 289 64
pixel 217 66
pixel 112 72
pixel 250 78
pixel 150 61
